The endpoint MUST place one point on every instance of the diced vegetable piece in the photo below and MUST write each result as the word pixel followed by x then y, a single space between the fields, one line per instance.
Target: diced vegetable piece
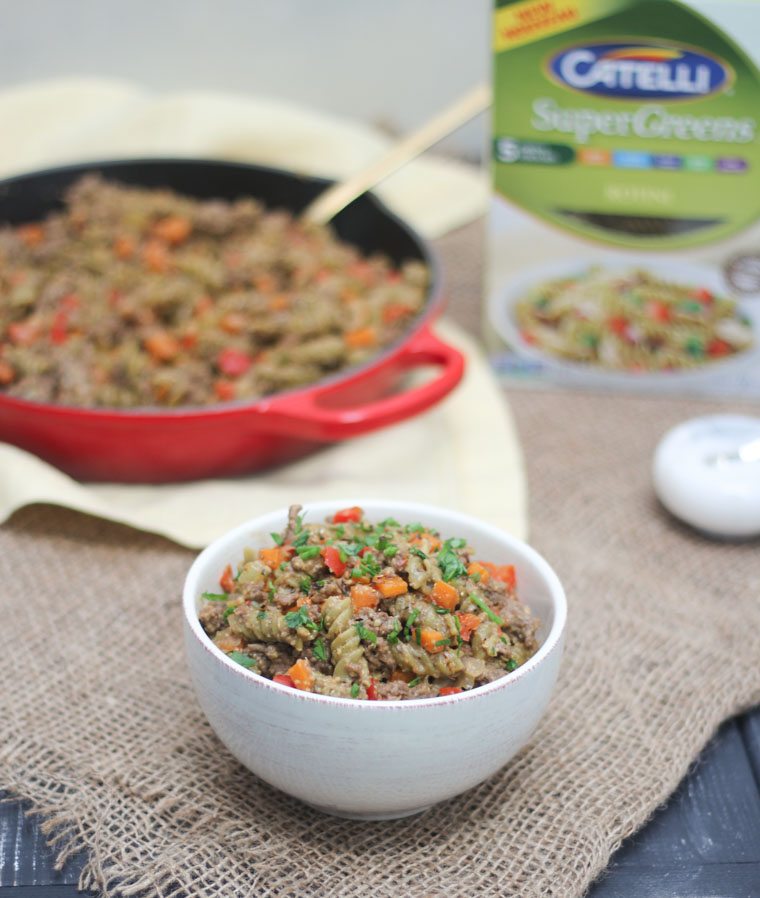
pixel 432 641
pixel 333 561
pixel 504 572
pixel 348 514
pixel 302 675
pixel 361 338
pixel 703 295
pixel 658 311
pixel 7 374
pixel 449 690
pixel 227 581
pixel 717 348
pixel 174 229
pixel 395 312
pixel 401 676
pixel 234 362
pixel 162 346
pixel 364 597
pixel 224 390
pixel 284 680
pixel 618 325
pixel 445 595
pixel 372 691
pixel 478 570
pixel 24 333
pixel 31 234
pixel 467 624
pixel 203 305
pixel 390 586
pixel 232 323
pixel 155 256
pixel 427 540
pixel 124 247
pixel 229 643
pixel 275 556
pixel 59 332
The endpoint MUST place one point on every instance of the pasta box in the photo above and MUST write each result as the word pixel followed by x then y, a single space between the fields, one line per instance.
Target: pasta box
pixel 624 233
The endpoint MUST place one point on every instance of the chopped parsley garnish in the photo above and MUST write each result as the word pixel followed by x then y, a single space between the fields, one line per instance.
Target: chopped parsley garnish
pixel 352 548
pixel 301 539
pixel 242 659
pixel 414 528
pixel 511 665
pixel 228 612
pixel 439 610
pixel 304 585
pixel 412 683
pixel 370 566
pixel 300 618
pixel 215 596
pixel 418 635
pixel 354 690
pixel 277 537
pixel 410 623
pixel 390 551
pixel 320 649
pixel 418 552
pixel 389 522
pixel 261 615
pixel 283 565
pixel 356 573
pixel 365 634
pixel 340 530
pixel 307 552
pixel 394 634
pixel 272 590
pixel 450 563
pixel 486 610
pixel 445 641
pixel 319 584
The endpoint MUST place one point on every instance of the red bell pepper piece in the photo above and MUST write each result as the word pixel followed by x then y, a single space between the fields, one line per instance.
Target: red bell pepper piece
pixel 284 680
pixel 333 561
pixel 345 515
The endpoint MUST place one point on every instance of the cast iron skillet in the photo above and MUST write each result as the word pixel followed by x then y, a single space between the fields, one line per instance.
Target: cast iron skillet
pixel 155 445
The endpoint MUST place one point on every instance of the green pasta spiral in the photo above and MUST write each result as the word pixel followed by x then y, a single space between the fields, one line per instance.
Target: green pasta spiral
pixel 415 659
pixel 345 645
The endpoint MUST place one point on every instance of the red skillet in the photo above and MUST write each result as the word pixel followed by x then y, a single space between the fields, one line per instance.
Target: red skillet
pixel 162 445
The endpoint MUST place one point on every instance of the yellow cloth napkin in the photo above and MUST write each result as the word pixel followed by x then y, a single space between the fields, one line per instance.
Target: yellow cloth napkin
pixel 462 454
pixel 74 120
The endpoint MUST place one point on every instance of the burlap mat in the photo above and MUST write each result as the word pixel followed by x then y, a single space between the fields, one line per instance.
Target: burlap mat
pixel 102 735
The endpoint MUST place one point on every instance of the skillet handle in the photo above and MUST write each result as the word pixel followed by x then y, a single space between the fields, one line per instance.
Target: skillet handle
pixel 307 417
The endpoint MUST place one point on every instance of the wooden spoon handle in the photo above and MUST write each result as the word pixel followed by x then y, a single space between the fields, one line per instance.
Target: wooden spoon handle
pixel 338 196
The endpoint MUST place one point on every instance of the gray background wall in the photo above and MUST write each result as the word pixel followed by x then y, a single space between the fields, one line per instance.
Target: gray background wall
pixel 392 62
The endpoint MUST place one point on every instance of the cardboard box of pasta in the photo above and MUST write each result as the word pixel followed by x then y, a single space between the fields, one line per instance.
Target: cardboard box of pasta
pixel 624 239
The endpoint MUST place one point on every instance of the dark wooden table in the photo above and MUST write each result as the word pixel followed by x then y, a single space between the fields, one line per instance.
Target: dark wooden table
pixel 705 843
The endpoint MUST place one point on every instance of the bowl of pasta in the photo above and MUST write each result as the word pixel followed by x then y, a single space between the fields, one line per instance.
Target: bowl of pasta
pixel 372 658
pixel 624 322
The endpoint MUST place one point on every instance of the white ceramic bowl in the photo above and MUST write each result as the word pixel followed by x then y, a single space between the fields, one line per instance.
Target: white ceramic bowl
pixel 365 759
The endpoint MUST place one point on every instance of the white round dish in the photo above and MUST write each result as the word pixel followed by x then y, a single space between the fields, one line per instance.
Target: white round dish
pixel 375 759
pixel 502 303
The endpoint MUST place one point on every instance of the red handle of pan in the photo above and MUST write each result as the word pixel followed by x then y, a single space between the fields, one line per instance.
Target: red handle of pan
pixel 311 416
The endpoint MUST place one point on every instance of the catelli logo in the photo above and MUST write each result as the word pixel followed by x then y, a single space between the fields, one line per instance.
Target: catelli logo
pixel 639 71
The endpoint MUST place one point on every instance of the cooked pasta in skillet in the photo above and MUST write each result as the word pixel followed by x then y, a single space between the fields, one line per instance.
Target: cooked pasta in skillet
pixel 133 297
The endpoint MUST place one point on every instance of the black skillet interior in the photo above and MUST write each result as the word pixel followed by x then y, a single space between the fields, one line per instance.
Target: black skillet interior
pixel 365 223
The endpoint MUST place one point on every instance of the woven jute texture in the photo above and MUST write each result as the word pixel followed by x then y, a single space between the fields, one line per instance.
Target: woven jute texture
pixel 102 735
